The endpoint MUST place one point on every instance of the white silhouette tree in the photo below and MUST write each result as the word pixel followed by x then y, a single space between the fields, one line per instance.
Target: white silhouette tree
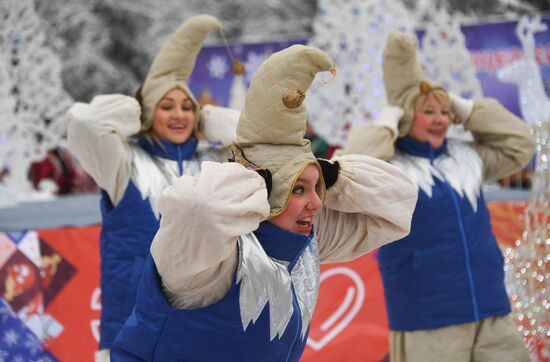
pixel 354 33
pixel 8 121
pixel 37 121
pixel 533 102
pixel 447 61
pixel 527 265
pixel 237 92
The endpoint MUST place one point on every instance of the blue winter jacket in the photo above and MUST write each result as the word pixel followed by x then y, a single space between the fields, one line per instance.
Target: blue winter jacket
pixel 220 332
pixel 128 229
pixel 449 269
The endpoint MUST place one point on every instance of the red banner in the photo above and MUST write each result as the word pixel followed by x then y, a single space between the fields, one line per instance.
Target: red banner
pixel 77 306
pixel 350 321
pixel 54 274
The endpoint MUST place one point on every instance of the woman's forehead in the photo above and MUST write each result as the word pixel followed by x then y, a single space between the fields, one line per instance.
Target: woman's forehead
pixel 310 174
pixel 176 93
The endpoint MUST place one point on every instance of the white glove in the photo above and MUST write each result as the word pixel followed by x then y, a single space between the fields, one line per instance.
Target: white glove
pixel 226 195
pixel 203 215
pixel 461 106
pixel 219 125
pixel 389 117
pixel 120 111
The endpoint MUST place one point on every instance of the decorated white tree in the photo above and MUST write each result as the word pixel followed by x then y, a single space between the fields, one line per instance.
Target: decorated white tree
pixel 447 61
pixel 533 102
pixel 354 33
pixel 8 121
pixel 89 45
pixel 527 265
pixel 445 57
pixel 237 93
pixel 37 122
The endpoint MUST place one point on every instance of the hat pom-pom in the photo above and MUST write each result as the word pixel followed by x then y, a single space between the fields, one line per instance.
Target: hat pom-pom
pixel 238 67
pixel 292 98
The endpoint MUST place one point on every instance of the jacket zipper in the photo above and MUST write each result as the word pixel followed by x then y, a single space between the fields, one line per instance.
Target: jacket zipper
pixel 299 324
pixel 464 242
pixel 295 300
pixel 180 161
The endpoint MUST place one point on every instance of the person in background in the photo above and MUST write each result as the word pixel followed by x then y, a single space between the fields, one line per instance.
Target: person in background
pixel 444 282
pixel 234 268
pixel 319 146
pixel 134 148
pixel 60 167
pixel 56 166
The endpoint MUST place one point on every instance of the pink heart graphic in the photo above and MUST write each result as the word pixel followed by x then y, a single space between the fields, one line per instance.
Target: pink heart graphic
pixel 95 304
pixel 348 309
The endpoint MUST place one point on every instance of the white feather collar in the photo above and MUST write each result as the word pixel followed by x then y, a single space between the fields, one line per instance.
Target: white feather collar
pixel 460 166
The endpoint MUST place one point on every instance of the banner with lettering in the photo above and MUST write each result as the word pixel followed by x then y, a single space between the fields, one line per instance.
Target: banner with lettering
pixel 493 46
pixel 50 302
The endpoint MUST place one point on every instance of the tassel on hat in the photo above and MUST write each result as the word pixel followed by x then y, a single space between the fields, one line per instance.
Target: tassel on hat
pixel 404 78
pixel 272 125
pixel 173 65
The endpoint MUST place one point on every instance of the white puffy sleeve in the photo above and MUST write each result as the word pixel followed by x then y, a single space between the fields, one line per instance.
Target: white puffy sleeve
pixel 195 248
pixel 97 135
pixel 371 204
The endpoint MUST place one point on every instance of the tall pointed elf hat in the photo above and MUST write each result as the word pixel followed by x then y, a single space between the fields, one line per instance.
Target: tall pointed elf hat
pixel 404 78
pixel 173 65
pixel 272 125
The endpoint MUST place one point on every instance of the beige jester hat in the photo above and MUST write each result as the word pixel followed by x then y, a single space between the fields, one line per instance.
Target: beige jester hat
pixel 272 125
pixel 173 65
pixel 404 78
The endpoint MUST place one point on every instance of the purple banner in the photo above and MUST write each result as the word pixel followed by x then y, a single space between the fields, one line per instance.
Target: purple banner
pixel 493 46
pixel 212 77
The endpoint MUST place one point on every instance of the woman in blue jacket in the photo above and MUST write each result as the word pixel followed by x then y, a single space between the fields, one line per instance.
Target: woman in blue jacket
pixel 444 282
pixel 234 268
pixel 133 150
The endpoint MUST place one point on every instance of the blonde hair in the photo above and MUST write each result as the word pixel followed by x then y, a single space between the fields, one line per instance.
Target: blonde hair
pixel 439 94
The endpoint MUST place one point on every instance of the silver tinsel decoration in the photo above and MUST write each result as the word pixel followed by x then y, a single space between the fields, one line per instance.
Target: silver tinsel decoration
pixel 527 264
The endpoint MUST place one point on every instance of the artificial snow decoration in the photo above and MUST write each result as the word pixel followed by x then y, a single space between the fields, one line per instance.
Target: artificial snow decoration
pixel 35 104
pixel 217 67
pixel 8 121
pixel 237 92
pixel 354 33
pixel 533 101
pixel 527 265
pixel 447 61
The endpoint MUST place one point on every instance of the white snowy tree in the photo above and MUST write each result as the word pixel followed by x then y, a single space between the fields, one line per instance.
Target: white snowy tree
pixel 533 101
pixel 34 72
pixel 237 92
pixel 84 40
pixel 354 33
pixel 8 121
pixel 527 265
pixel 445 57
pixel 447 61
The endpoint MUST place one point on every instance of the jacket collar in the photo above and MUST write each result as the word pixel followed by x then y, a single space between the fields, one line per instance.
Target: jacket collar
pixel 171 151
pixel 423 149
pixel 281 244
